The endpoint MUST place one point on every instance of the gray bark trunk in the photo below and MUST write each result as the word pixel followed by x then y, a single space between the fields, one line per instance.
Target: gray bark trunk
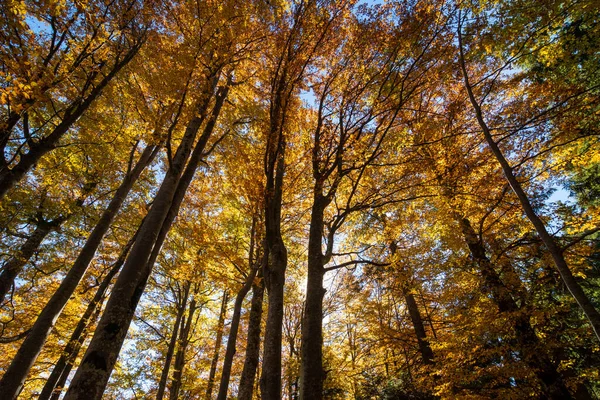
pixel 164 376
pixel 217 350
pixel 312 374
pixel 56 381
pixel 184 339
pixel 232 339
pixel 417 320
pixel 274 265
pixel 246 388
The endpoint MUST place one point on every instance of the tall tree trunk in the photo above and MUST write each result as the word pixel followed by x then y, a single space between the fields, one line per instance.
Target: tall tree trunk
pixel 92 376
pixel 555 251
pixel 312 374
pixel 274 264
pixel 531 349
pixel 275 255
pixel 232 339
pixel 248 376
pixel 416 319
pixel 184 339
pixel 55 383
pixel 9 177
pixel 15 375
pixel 13 267
pixel 164 376
pixel 217 350
pixel 419 327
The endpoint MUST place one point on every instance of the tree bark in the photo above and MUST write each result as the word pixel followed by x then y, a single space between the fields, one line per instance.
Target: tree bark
pixel 417 321
pixel 219 338
pixel 164 376
pixel 15 375
pixel 184 339
pixel 233 331
pixel 274 264
pixel 555 251
pixel 93 374
pixel 248 377
pixel 56 381
pixel 312 374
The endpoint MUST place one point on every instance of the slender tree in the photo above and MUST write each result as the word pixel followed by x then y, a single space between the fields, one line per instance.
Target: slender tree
pixel 183 342
pixel 251 361
pixel 57 379
pixel 217 349
pixel 177 326
pixel 15 376
pixel 230 351
pixel 553 248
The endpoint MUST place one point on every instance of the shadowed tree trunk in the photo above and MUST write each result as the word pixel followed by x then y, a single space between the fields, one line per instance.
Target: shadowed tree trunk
pixel 301 42
pixel 248 376
pixel 164 376
pixel 555 251
pixel 15 375
pixel 312 374
pixel 275 253
pixel 218 340
pixel 92 376
pixel 274 265
pixel 532 351
pixel 53 387
pixel 416 319
pixel 231 340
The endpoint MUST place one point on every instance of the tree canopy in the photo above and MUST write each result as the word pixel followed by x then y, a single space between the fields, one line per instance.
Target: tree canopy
pixel 299 199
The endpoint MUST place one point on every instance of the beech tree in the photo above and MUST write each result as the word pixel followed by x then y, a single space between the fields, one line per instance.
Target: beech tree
pixel 314 199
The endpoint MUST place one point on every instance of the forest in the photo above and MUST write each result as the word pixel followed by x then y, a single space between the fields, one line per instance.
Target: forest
pixel 299 199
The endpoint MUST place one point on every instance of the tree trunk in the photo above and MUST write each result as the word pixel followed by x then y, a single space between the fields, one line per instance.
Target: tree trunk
pixel 417 321
pixel 93 374
pixel 15 264
pixel 184 339
pixel 233 331
pixel 248 377
pixel 531 349
pixel 15 375
pixel 164 376
pixel 55 383
pixel 312 374
pixel 215 358
pixel 274 266
pixel 555 251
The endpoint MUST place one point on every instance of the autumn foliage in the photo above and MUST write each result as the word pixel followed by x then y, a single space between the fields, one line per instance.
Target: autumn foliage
pixel 300 199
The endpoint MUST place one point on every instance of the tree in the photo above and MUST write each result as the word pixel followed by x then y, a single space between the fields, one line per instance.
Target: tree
pixel 556 252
